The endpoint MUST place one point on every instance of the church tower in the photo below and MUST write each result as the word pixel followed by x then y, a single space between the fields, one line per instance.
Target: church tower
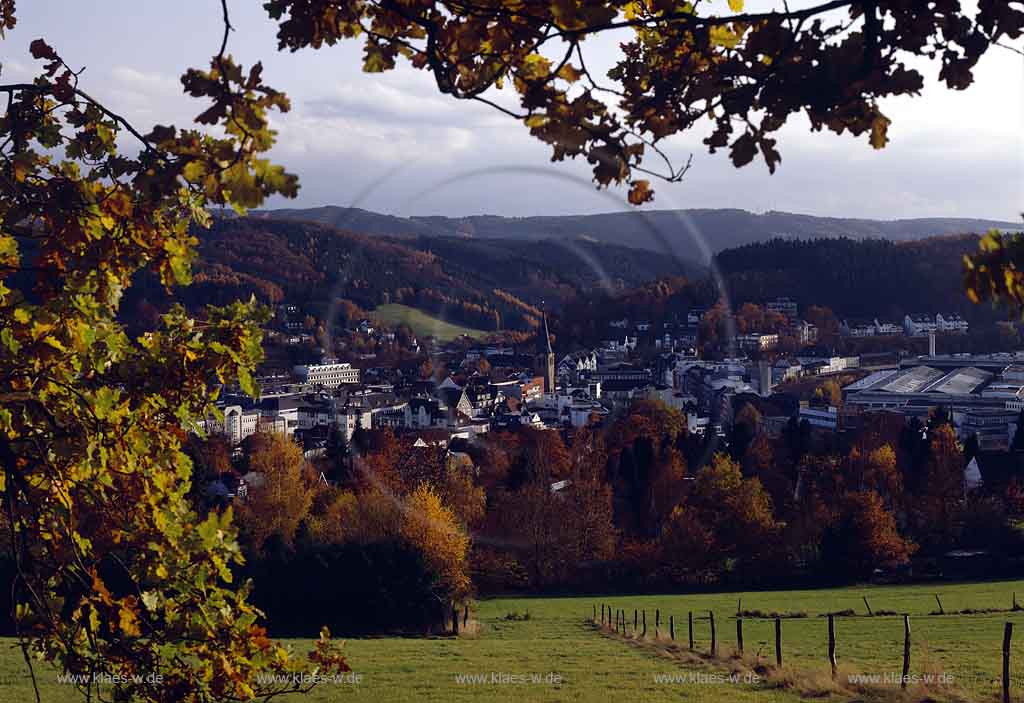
pixel 544 361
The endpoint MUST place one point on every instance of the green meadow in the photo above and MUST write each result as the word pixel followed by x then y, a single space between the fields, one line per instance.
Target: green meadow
pixel 559 654
pixel 423 324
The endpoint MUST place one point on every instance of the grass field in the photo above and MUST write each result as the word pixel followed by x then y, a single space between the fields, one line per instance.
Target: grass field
pixel 423 324
pixel 592 665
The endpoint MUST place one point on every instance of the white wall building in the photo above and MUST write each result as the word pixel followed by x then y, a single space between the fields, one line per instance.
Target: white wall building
pixel 328 374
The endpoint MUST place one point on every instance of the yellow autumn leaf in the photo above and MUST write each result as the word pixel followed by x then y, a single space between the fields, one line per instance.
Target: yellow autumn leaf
pixel 736 5
pixel 879 131
pixel 724 36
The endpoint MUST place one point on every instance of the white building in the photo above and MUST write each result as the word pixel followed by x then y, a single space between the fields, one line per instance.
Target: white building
pixel 921 325
pixel 329 374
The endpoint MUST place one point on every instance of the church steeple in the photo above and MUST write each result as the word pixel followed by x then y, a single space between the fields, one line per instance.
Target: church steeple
pixel 544 337
pixel 544 362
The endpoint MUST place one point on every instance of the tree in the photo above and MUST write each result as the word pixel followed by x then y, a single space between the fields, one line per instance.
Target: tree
pixel 738 512
pixel 432 528
pixel 864 538
pixel 687 545
pixel 281 495
pixel 679 65
pixel 117 576
pixel 529 520
pixel 938 510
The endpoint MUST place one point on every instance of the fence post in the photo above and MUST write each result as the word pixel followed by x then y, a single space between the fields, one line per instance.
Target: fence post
pixel 714 640
pixel 832 644
pixel 739 635
pixel 867 605
pixel 672 627
pixel 602 613
pixel 941 611
pixel 657 622
pixel 906 651
pixel 644 623
pixel 1007 634
pixel 455 620
pixel 778 642
pixel 636 620
pixel 689 619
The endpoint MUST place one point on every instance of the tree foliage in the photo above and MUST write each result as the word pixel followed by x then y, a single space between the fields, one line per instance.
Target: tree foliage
pixel 117 576
pixel 281 494
pixel 682 66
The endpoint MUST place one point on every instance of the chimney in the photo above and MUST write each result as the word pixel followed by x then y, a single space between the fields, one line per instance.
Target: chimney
pixel 931 343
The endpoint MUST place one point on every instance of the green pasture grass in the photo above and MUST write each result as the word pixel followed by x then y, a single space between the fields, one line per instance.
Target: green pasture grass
pixel 572 660
pixel 423 324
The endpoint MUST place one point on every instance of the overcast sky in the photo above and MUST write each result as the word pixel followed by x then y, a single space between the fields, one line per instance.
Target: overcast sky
pixel 390 142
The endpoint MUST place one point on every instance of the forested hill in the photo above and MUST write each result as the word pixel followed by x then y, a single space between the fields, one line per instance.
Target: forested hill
pixel 866 278
pixel 685 233
pixel 492 284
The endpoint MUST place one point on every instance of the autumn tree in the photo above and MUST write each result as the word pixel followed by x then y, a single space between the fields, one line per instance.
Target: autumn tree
pixel 432 528
pixel 937 510
pixel 116 575
pixel 281 491
pixel 737 512
pixel 864 537
pixel 680 67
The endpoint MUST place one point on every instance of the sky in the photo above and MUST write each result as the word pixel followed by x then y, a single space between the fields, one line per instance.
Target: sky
pixel 391 143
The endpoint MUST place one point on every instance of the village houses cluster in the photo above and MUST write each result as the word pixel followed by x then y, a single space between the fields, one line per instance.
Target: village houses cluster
pixel 497 386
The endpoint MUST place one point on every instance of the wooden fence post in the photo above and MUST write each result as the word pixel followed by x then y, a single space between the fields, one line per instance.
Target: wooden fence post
pixel 778 642
pixel 602 613
pixel 672 627
pixel 906 651
pixel 1007 634
pixel 636 620
pixel 455 620
pixel 644 623
pixel 941 611
pixel 714 640
pixel 739 606
pixel 689 619
pixel 832 645
pixel 657 622
pixel 739 635
pixel 867 605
